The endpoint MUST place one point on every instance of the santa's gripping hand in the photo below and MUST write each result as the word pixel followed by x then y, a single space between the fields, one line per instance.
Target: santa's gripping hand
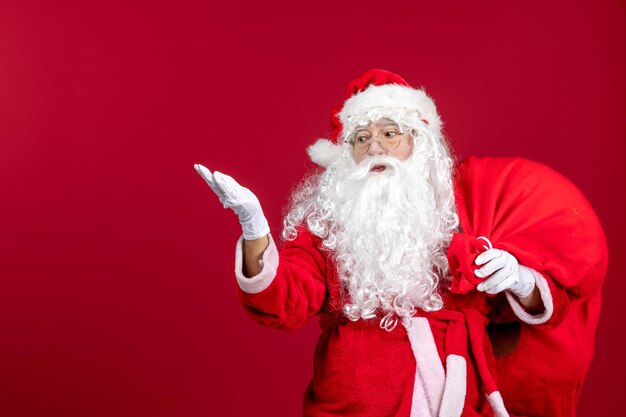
pixel 504 273
pixel 240 200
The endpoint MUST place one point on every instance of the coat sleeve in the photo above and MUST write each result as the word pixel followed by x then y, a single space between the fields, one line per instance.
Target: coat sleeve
pixel 554 299
pixel 290 288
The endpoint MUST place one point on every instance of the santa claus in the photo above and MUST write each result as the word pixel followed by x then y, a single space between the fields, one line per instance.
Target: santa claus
pixel 416 264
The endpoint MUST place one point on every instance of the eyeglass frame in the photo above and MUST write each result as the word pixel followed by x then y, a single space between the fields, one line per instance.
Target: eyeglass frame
pixel 351 139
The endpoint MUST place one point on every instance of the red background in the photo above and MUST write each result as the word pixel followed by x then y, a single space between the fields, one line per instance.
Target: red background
pixel 116 287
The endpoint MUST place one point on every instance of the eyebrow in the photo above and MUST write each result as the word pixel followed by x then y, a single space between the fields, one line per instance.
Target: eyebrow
pixel 386 122
pixel 383 121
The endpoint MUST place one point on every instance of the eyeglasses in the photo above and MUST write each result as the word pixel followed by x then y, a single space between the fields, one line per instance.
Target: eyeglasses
pixel 388 138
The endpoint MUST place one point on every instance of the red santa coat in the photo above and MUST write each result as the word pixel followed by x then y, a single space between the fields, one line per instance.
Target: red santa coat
pixel 441 363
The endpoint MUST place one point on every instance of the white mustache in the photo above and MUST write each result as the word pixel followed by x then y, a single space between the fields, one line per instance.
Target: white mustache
pixel 364 169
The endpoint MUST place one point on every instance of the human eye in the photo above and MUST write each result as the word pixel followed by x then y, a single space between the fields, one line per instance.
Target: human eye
pixel 362 138
pixel 391 132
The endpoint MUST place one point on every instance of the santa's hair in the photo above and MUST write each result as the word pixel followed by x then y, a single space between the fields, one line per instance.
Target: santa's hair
pixel 417 264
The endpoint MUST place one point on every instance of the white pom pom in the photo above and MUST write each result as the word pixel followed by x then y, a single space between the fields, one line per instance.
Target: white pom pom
pixel 324 152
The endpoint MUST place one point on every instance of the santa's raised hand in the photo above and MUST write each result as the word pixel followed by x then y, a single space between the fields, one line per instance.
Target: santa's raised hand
pixel 240 200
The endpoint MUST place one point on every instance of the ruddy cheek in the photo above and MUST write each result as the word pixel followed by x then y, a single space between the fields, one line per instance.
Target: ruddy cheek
pixel 358 158
pixel 404 153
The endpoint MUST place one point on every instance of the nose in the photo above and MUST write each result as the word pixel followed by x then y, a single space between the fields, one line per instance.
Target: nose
pixel 376 148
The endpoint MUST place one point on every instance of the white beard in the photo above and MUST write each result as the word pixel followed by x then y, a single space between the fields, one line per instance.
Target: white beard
pixel 388 231
pixel 387 238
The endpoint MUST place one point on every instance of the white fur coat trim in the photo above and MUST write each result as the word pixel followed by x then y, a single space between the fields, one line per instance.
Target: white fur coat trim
pixel 430 377
pixel 546 297
pixel 456 387
pixel 269 262
pixel 420 406
pixel 497 404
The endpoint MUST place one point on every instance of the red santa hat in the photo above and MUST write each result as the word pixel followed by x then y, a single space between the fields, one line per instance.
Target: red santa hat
pixel 371 96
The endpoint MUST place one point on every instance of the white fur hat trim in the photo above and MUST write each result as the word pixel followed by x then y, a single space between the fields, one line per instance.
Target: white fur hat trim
pixel 398 102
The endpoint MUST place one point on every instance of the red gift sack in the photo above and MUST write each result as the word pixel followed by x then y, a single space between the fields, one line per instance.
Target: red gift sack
pixel 541 218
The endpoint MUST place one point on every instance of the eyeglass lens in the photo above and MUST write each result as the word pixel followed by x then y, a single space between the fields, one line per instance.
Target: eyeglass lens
pixel 388 138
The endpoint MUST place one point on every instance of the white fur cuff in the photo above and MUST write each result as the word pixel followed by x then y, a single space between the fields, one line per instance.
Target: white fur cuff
pixel 546 297
pixel 269 262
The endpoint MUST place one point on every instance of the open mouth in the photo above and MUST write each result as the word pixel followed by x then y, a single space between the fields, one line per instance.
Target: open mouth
pixel 378 168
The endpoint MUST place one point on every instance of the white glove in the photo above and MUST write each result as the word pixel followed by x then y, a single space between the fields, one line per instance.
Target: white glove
pixel 504 274
pixel 241 200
